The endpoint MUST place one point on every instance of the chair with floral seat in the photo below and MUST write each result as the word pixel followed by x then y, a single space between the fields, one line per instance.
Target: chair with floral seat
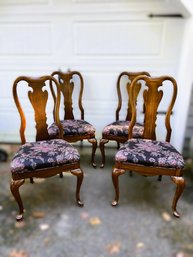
pixel 73 129
pixel 45 157
pixel 146 155
pixel 118 130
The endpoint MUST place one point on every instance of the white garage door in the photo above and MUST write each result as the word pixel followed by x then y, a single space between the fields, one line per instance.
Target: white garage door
pixel 98 38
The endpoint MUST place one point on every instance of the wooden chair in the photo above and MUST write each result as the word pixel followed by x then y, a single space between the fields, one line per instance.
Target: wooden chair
pixel 118 130
pixel 146 155
pixel 73 129
pixel 45 157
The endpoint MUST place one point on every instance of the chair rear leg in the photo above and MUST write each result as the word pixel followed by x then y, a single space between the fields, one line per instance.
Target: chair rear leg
pixel 93 141
pixel 80 175
pixel 102 148
pixel 14 186
pixel 115 176
pixel 180 183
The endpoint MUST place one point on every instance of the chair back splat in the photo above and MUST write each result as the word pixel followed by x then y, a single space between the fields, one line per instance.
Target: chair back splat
pixel 131 76
pixel 118 129
pixel 73 129
pixel 45 157
pixel 147 155
pixel 67 87
pixel 152 98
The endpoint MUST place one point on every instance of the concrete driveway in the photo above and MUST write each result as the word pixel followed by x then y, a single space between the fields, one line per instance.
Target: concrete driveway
pixel 54 226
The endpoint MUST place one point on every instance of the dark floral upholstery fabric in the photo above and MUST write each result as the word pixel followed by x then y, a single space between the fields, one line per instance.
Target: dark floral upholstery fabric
pixel 72 128
pixel 120 128
pixel 150 153
pixel 43 154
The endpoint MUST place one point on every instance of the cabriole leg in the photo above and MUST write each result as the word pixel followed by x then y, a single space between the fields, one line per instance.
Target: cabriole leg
pixel 115 175
pixel 180 183
pixel 102 148
pixel 14 186
pixel 79 174
pixel 93 141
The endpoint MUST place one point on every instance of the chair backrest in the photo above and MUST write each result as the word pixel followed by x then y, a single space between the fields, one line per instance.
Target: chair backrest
pixel 67 87
pixel 131 76
pixel 152 96
pixel 38 96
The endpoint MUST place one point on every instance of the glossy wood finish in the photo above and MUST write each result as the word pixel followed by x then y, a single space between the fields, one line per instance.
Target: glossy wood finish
pixel 152 96
pixel 38 96
pixel 180 183
pixel 67 87
pixel 14 186
pixel 116 173
pixel 105 138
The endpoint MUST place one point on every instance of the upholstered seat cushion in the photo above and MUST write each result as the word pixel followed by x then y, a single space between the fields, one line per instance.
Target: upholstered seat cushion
pixel 72 128
pixel 150 153
pixel 43 154
pixel 120 129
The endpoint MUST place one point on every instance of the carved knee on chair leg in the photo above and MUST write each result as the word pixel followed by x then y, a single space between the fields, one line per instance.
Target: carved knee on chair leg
pixel 115 175
pixel 93 141
pixel 14 186
pixel 180 183
pixel 80 175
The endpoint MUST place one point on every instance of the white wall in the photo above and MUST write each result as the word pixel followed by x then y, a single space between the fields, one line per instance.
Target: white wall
pixel 185 80
pixel 98 38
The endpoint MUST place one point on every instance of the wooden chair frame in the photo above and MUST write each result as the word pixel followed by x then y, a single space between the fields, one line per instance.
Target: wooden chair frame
pixel 38 98
pixel 105 138
pixel 66 86
pixel 152 97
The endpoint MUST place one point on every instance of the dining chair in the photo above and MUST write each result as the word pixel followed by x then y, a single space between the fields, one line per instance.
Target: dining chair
pixel 44 157
pixel 118 129
pixel 73 129
pixel 147 155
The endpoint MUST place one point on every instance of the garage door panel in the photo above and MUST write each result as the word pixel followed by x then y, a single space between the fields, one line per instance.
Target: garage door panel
pixel 117 38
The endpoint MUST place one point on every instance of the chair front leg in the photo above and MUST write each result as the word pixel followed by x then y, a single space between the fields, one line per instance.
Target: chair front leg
pixel 180 183
pixel 102 148
pixel 14 186
pixel 115 175
pixel 93 141
pixel 80 175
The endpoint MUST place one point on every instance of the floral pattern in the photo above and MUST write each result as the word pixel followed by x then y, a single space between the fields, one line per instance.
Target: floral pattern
pixel 151 153
pixel 120 129
pixel 72 128
pixel 43 154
